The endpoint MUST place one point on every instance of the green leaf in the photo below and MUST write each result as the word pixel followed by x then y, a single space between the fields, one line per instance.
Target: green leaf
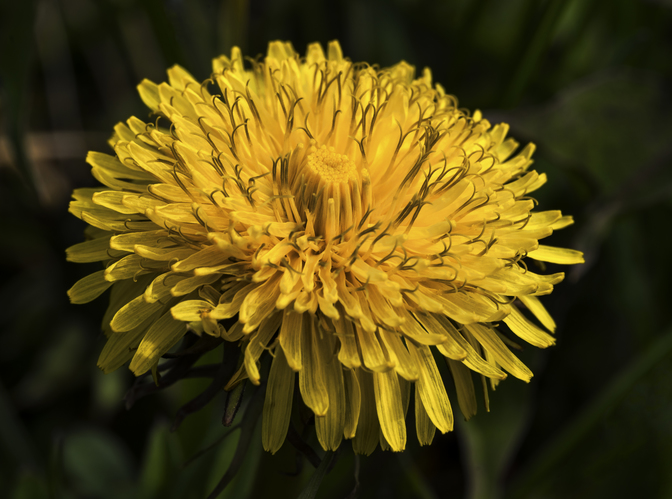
pixel 534 51
pixel 552 455
pixel 222 457
pixel 157 466
pixel 30 486
pixel 247 439
pixel 609 126
pixel 13 435
pixel 98 464
pixel 310 491
pixel 490 438
pixel 416 479
pixel 242 484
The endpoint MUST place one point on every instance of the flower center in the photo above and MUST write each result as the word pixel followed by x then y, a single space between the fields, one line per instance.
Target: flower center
pixel 331 166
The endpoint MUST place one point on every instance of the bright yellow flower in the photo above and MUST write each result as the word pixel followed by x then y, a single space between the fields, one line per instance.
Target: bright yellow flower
pixel 352 219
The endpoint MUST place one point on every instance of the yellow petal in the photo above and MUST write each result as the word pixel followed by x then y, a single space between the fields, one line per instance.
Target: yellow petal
pixel 149 93
pixel 384 444
pixel 535 306
pixel 109 220
pixel 382 309
pixel 542 219
pixel 235 333
pixel 563 222
pixel 346 298
pixel 464 385
pixel 160 338
pixel 236 294
pixel 258 343
pixel 372 353
pixel 348 355
pixel 278 403
pixel 290 338
pixel 330 427
pixel 414 331
pixel 120 348
pixel 390 409
pixel 353 403
pixel 259 303
pixel 405 390
pixel 162 254
pixel 368 427
pixel 473 360
pixel 448 347
pixel 133 314
pixel 493 344
pixel 335 52
pixel 527 330
pixel 312 378
pixel 180 78
pixel 126 242
pixel 552 254
pixel 89 288
pixel 186 286
pixel 238 376
pixel 399 356
pixel 113 200
pixel 120 294
pixel 190 310
pixel 207 257
pixel 431 388
pixel 112 180
pixel 113 168
pixel 92 251
pixel 125 268
pixel 423 424
pixel 468 307
pixel 160 286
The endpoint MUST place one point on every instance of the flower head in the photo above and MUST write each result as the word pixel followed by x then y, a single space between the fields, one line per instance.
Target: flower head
pixel 351 220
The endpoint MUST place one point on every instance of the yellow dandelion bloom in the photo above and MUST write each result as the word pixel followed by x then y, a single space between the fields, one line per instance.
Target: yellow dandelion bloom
pixel 350 219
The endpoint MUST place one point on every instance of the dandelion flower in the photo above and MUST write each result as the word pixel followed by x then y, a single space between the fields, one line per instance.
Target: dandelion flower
pixel 351 220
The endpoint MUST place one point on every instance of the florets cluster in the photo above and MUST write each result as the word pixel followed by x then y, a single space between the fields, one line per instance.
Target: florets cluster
pixel 349 219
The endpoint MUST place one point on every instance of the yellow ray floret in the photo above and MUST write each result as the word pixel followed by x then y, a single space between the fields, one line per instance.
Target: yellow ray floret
pixel 350 219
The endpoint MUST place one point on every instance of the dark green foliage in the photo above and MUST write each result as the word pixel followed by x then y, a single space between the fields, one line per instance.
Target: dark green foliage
pixel 588 81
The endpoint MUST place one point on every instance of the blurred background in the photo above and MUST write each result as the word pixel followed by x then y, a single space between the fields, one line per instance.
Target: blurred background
pixel 588 81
